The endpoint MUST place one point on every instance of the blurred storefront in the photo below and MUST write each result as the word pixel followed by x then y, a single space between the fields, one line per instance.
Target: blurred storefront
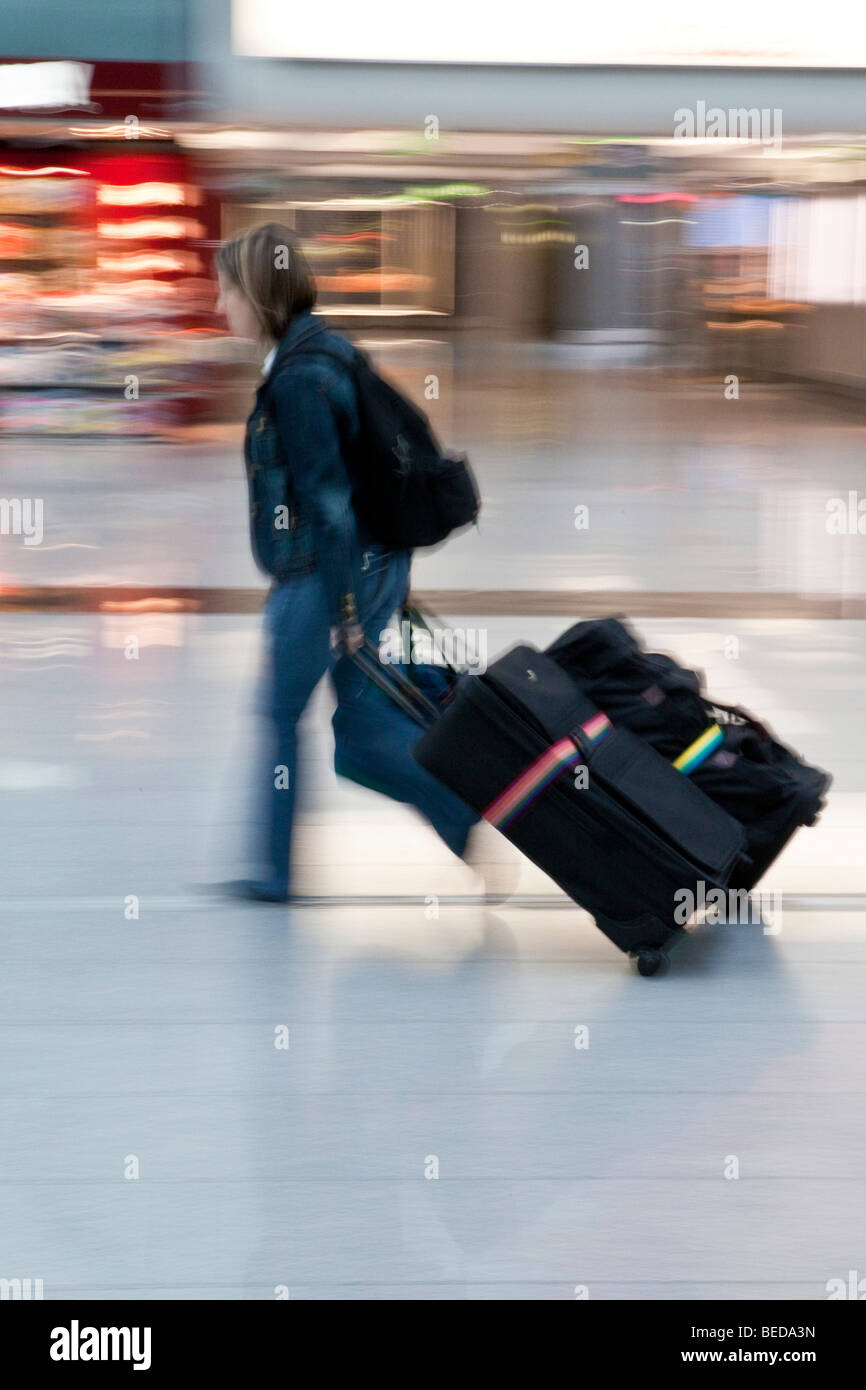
pixel 117 182
pixel 105 298
pixel 473 232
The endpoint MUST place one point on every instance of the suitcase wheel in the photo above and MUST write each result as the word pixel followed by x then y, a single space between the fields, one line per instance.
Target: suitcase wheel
pixel 651 961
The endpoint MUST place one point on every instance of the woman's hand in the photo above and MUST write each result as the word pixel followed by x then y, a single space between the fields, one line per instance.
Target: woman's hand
pixel 347 638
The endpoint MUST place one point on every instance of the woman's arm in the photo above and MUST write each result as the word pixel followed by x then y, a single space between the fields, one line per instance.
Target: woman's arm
pixel 310 439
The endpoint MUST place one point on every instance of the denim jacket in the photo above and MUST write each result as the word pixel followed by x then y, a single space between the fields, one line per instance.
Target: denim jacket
pixel 301 517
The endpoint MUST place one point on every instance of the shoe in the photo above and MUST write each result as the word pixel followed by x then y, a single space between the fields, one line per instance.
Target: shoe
pixel 253 890
pixel 493 860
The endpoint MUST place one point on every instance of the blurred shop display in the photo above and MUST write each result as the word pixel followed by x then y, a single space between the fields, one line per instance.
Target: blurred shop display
pixel 729 240
pixel 818 248
pixel 631 252
pixel 106 296
pixel 104 299
pixel 378 257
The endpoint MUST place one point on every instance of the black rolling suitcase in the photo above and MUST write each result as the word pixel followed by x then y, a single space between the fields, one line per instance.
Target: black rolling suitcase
pixel 679 789
pixel 602 812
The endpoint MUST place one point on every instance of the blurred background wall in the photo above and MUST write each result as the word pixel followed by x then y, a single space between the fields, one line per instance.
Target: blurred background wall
pixel 157 31
pixel 441 197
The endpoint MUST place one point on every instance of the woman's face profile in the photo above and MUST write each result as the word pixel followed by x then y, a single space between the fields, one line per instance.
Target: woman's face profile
pixel 240 315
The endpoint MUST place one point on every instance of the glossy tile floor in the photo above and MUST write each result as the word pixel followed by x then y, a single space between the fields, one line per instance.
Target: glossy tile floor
pixel 395 1092
pixel 407 1099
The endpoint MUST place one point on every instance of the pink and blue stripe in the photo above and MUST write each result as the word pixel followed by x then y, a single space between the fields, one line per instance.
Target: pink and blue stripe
pixel 541 773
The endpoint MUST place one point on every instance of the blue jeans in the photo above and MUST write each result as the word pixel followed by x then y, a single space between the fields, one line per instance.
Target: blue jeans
pixel 373 737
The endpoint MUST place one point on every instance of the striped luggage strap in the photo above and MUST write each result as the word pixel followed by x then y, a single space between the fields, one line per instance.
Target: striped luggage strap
pixel 565 753
pixel 700 750
pixel 542 772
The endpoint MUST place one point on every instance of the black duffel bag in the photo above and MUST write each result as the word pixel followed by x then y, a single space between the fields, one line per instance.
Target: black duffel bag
pixel 737 761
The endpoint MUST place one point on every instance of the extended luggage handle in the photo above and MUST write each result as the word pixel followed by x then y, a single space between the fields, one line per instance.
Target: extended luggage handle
pixel 396 685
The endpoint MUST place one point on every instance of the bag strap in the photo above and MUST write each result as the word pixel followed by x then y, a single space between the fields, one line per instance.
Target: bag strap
pixel 532 782
pixel 351 364
pixel 701 749
pixel 327 349
pixel 417 618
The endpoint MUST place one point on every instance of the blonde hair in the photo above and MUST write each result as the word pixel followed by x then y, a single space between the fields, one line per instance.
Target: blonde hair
pixel 268 265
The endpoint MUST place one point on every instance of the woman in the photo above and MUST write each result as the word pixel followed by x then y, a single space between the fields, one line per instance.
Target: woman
pixel 332 585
